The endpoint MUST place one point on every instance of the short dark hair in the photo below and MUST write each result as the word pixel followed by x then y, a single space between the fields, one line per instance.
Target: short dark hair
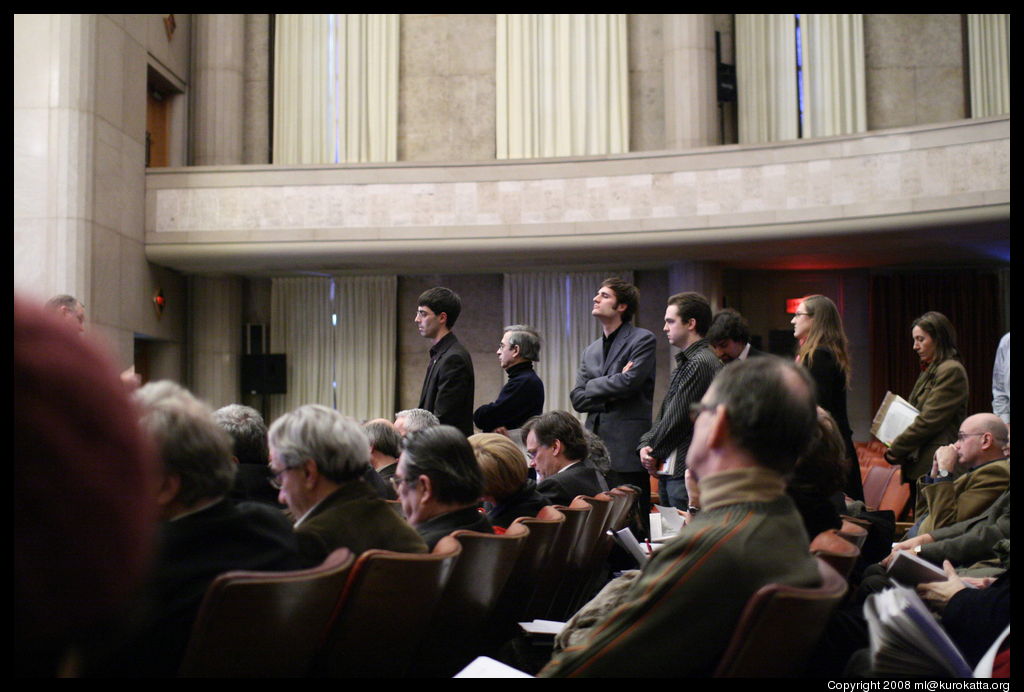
pixel 444 455
pixel 561 426
pixel 770 404
pixel 247 430
pixel 728 325
pixel 693 306
pixel 440 299
pixel 625 293
pixel 384 438
pixel 941 330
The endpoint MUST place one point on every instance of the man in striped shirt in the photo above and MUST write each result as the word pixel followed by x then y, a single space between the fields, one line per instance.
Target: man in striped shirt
pixel 687 318
pixel 677 617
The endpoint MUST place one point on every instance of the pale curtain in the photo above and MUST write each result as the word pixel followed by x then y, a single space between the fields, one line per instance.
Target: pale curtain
pixel 335 88
pixel 767 106
pixel 835 100
pixel 988 46
pixel 559 306
pixel 562 85
pixel 300 327
pixel 336 331
pixel 366 338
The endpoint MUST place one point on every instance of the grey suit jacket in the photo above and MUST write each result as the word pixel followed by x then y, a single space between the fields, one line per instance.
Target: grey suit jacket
pixel 618 405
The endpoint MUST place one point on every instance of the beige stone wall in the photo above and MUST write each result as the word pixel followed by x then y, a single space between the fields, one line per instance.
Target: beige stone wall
pixel 914 67
pixel 446 96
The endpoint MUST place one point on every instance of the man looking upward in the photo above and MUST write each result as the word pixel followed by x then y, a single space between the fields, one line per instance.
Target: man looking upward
pixel 615 383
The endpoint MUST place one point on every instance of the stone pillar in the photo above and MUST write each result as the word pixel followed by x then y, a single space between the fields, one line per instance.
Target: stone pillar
pixel 54 133
pixel 256 127
pixel 215 338
pixel 218 79
pixel 691 111
pixel 702 277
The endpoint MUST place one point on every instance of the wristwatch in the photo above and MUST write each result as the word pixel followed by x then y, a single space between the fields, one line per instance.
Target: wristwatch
pixel 943 473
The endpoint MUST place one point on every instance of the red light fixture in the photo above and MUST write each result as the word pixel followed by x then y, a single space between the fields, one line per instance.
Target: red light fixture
pixel 159 302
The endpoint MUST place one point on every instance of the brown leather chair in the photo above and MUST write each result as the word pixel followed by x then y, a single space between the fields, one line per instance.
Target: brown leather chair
pixel 579 572
pixel 526 575
pixel 455 633
pixel 623 501
pixel 554 569
pixel 854 532
pixel 780 626
pixel 840 553
pixel 384 610
pixel 884 489
pixel 265 624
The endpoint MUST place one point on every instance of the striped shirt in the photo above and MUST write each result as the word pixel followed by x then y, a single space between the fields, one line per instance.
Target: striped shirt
pixel 695 368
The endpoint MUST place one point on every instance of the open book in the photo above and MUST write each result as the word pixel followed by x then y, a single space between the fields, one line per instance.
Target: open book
pixel 910 570
pixel 893 417
pixel 906 639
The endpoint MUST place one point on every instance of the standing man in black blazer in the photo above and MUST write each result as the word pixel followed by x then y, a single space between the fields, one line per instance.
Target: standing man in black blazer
pixel 729 337
pixel 448 387
pixel 615 383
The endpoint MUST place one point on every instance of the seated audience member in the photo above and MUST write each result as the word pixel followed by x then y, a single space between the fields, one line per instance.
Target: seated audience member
pixel 816 485
pixel 508 492
pixel 598 456
pixel 677 617
pixel 204 534
pixel 973 618
pixel 84 511
pixel 385 448
pixel 966 476
pixel 318 458
pixel 414 419
pixel 557 449
pixel 729 337
pixel 249 437
pixel 439 483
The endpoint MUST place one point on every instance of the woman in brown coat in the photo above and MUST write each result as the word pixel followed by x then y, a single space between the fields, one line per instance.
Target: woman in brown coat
pixel 940 395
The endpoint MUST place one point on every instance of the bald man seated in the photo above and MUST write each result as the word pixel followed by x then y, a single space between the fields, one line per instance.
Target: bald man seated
pixel 966 477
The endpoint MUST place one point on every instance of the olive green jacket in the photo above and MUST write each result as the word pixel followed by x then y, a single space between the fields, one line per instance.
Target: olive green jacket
pixel 940 395
pixel 942 503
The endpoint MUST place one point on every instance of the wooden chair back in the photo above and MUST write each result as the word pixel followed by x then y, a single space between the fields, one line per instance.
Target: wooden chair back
pixel 265 624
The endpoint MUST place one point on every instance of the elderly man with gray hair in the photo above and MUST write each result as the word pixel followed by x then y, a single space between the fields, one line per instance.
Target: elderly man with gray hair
pixel 249 450
pixel 413 420
pixel 318 459
pixel 522 397
pixel 203 533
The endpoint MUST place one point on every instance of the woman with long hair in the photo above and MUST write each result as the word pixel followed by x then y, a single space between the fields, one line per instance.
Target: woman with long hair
pixel 940 394
pixel 823 349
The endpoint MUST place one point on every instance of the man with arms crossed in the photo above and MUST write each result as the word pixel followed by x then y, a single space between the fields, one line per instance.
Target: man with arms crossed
pixel 448 387
pixel 615 383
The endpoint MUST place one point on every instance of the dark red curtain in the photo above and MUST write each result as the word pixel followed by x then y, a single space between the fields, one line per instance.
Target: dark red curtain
pixel 972 301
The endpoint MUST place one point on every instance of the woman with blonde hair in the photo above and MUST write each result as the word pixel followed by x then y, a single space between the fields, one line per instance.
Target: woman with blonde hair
pixel 508 491
pixel 940 394
pixel 823 349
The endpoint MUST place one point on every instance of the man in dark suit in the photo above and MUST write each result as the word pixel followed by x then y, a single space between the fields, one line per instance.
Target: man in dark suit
pixel 203 533
pixel 319 460
pixel 557 449
pixel 729 337
pixel 439 484
pixel 615 383
pixel 448 387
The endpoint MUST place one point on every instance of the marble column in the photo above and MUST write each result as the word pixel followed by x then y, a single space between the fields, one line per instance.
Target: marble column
pixel 215 338
pixel 256 125
pixel 218 78
pixel 54 152
pixel 691 111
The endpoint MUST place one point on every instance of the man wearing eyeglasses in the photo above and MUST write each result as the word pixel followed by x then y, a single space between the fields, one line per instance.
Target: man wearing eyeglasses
pixel 966 476
pixel 318 458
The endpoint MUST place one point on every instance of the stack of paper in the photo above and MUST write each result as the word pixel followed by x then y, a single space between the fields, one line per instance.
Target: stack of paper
pixel 906 640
